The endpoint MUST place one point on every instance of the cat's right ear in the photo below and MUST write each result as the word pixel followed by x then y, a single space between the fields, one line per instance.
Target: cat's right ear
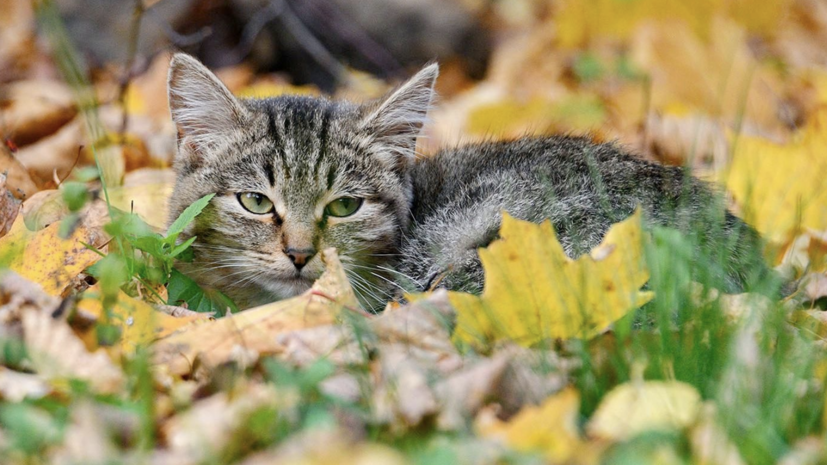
pixel 203 109
pixel 395 121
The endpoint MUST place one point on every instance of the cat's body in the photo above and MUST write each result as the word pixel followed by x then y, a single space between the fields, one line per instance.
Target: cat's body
pixel 295 175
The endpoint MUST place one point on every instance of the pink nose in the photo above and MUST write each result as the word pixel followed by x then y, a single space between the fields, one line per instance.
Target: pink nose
pixel 299 257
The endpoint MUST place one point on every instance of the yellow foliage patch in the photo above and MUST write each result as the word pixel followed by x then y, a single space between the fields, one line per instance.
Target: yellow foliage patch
pixel 780 188
pixel 533 291
pixel 632 408
pixel 579 22
pixel 550 427
pixel 140 324
pixel 511 118
pixel 43 257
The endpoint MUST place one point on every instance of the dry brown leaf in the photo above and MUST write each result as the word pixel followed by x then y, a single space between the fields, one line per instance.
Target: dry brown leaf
pixel 87 438
pixel 807 451
pixel 19 295
pixel 205 429
pixel 335 343
pixel 710 442
pixel 35 109
pixel 256 329
pixel 56 353
pixel 17 37
pixel 9 207
pixel 815 286
pixel 462 394
pixel 144 92
pixel 56 154
pixel 18 180
pixel 424 326
pixel 303 448
pixel 16 386
pixel 402 396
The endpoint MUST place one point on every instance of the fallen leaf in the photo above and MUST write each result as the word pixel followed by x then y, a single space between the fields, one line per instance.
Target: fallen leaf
pixel 54 154
pixel 635 407
pixel 257 329
pixel 34 109
pixel 780 188
pixel 43 257
pixel 18 180
pixel 402 396
pixel 340 448
pixel 17 38
pixel 203 431
pixel 719 77
pixel 9 207
pixel 149 200
pixel 533 291
pixel 511 118
pixel 710 442
pixel 16 386
pixel 462 394
pixel 579 23
pixel 56 353
pixel 87 439
pixel 550 428
pixel 140 324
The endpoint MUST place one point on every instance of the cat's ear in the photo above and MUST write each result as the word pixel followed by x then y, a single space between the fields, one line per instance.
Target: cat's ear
pixel 202 107
pixel 395 121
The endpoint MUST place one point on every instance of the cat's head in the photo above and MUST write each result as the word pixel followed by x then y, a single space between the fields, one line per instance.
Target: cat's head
pixel 292 176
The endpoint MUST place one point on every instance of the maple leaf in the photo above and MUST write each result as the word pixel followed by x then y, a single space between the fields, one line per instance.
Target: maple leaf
pixel 780 188
pixel 533 291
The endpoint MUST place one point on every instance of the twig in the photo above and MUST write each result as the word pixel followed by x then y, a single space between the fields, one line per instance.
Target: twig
pixel 344 29
pixel 131 55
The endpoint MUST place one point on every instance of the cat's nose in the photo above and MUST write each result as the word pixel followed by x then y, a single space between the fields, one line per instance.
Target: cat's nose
pixel 299 257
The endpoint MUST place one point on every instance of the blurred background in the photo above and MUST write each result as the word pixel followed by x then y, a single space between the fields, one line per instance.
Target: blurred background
pixel 676 81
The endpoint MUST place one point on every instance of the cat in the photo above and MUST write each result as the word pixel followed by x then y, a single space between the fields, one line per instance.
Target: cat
pixel 294 175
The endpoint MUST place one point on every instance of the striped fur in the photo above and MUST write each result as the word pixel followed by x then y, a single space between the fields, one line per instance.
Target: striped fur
pixel 422 219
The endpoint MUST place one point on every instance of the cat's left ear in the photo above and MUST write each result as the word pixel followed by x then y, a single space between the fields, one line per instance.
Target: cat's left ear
pixel 395 121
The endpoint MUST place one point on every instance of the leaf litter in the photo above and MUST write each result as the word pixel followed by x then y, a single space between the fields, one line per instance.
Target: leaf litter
pixel 733 90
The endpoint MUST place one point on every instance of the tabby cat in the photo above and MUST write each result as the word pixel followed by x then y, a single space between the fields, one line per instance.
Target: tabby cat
pixel 294 175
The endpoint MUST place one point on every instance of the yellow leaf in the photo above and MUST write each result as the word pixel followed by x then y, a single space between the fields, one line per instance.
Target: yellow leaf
pixel 256 329
pixel 43 257
pixel 149 201
pixel 780 188
pixel 511 118
pixel 632 408
pixel 550 427
pixel 140 324
pixel 533 291
pixel 580 22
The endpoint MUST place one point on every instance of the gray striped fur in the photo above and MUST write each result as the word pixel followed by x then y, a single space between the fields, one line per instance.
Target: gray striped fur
pixel 423 218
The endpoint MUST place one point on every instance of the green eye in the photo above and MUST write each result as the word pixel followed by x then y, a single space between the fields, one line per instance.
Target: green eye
pixel 344 206
pixel 255 203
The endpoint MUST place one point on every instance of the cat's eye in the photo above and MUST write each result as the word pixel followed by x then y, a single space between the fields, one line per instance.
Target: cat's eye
pixel 255 203
pixel 343 206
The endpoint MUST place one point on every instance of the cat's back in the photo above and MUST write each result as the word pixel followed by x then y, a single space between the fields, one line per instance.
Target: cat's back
pixel 525 175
